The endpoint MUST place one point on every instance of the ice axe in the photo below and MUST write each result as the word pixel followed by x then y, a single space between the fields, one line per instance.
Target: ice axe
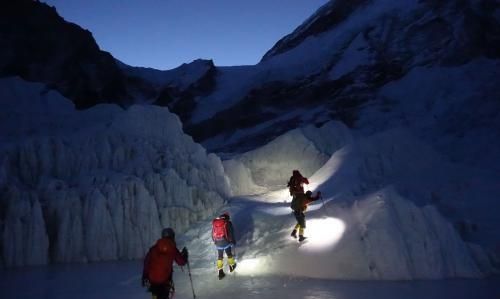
pixel 191 279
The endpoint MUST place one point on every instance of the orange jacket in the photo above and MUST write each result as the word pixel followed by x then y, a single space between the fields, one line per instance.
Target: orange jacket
pixel 301 201
pixel 159 260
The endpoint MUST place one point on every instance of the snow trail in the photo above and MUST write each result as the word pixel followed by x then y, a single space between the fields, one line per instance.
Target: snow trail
pixel 378 236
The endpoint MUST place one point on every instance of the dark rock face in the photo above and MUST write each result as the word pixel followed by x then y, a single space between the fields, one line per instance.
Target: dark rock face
pixel 267 103
pixel 36 44
pixel 327 99
pixel 182 99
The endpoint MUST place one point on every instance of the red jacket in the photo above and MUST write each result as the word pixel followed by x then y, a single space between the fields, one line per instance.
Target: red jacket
pixel 159 260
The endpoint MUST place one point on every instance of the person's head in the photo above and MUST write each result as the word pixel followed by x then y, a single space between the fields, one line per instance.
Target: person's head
pixel 168 233
pixel 296 173
pixel 309 193
pixel 224 216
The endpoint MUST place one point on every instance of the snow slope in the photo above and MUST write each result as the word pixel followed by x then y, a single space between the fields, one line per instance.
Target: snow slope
pixel 366 163
pixel 232 83
pixel 378 235
pixel 453 108
pixel 97 184
pixel 385 195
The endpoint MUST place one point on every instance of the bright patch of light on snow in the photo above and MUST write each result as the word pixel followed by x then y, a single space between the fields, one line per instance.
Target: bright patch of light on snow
pixel 323 233
pixel 250 266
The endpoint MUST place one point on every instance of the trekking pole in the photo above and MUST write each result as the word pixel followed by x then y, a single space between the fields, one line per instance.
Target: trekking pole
pixel 234 256
pixel 191 280
pixel 324 206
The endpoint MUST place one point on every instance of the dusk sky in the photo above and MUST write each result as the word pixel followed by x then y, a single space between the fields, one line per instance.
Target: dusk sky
pixel 166 33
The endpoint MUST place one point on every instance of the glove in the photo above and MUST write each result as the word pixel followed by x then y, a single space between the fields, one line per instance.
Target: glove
pixel 145 282
pixel 185 253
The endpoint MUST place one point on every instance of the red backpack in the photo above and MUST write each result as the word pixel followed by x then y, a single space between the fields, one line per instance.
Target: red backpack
pixel 219 229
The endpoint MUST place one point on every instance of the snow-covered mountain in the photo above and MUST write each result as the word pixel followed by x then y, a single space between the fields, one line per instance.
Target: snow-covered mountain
pixel 392 108
pixel 338 63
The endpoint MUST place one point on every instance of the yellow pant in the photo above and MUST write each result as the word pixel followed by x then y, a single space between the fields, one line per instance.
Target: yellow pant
pixel 300 229
pixel 230 261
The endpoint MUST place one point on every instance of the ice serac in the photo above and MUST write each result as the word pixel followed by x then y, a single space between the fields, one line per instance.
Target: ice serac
pixel 97 184
pixel 24 239
pixel 270 166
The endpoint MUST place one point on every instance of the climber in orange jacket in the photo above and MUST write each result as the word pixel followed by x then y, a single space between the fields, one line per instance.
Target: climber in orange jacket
pixel 157 271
